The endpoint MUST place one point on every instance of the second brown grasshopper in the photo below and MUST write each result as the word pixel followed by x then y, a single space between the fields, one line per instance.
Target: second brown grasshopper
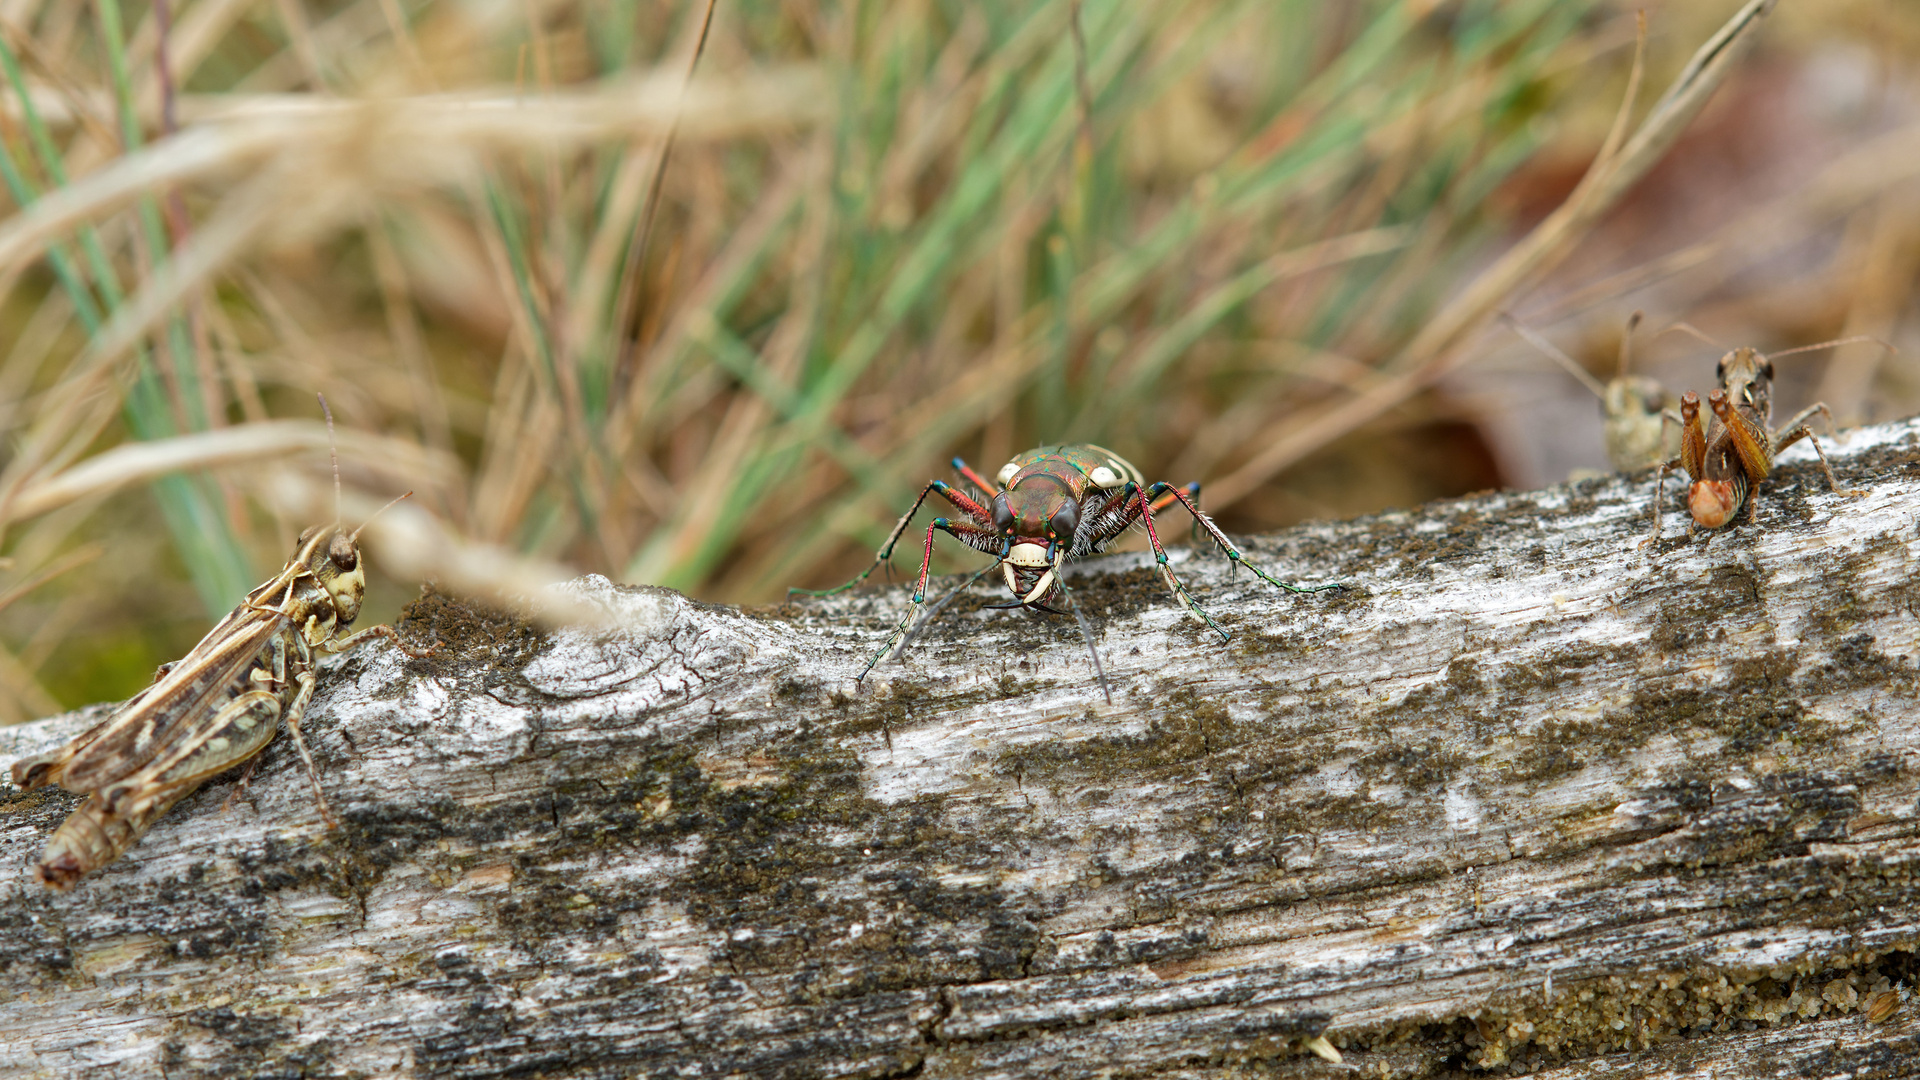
pixel 1734 450
pixel 1636 412
pixel 213 709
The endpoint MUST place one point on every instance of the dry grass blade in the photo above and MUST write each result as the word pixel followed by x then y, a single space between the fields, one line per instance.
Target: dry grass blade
pixel 1885 162
pixel 427 140
pixel 411 544
pixel 72 560
pixel 1442 342
pixel 246 444
pixel 886 236
pixel 650 206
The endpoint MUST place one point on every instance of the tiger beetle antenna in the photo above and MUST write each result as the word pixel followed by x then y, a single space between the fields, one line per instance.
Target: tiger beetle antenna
pixel 1086 635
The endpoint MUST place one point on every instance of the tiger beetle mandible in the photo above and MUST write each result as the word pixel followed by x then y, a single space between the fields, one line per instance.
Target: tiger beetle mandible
pixel 1047 506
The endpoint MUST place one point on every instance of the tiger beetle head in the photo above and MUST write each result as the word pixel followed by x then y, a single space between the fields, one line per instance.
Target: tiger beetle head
pixel 1041 506
pixel 1037 516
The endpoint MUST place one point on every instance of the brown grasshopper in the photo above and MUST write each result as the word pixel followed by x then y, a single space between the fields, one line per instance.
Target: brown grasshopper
pixel 1730 453
pixel 1635 411
pixel 213 709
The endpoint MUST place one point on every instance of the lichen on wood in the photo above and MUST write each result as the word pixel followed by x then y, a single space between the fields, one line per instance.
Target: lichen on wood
pixel 1524 797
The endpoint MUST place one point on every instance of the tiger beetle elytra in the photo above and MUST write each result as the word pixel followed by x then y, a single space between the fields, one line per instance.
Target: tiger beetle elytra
pixel 1044 507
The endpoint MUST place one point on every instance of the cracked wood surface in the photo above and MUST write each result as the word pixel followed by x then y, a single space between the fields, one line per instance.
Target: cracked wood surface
pixel 1525 797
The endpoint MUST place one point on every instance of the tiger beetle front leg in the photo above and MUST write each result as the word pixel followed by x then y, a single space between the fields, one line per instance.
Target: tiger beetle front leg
pixel 960 530
pixel 960 502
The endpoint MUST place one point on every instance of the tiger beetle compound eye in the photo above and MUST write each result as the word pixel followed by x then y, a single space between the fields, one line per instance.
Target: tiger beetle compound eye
pixel 1084 497
pixel 1066 521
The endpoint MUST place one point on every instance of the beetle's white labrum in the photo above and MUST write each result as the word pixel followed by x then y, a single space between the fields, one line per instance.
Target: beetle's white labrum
pixel 1028 557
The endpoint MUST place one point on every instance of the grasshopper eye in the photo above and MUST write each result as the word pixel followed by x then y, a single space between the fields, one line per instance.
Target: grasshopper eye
pixel 1066 521
pixel 341 550
pixel 1002 514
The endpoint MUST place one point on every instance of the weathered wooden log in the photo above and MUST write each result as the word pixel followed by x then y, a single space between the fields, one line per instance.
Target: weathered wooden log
pixel 1524 795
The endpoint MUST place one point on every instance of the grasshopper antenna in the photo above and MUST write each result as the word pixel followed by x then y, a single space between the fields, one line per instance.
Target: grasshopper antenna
pixel 1574 367
pixel 1689 328
pixel 333 453
pixel 356 533
pixel 1854 340
pixel 1626 344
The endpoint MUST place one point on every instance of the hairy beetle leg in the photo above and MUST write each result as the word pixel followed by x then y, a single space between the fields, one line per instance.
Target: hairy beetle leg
pixel 960 501
pixel 958 529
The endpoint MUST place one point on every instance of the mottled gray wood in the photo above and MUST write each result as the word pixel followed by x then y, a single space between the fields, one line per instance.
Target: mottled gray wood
pixel 1524 796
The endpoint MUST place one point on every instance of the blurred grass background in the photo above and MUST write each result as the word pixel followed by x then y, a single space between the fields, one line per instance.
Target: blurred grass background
pixel 720 353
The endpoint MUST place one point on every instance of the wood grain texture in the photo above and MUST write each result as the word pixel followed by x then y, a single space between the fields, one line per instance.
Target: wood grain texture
pixel 1524 797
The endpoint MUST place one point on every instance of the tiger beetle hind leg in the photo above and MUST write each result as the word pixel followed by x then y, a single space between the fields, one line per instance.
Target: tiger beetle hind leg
pixel 1240 560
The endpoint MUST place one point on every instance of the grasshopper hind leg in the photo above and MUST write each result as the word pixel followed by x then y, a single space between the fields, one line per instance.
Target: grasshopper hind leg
pixel 1798 429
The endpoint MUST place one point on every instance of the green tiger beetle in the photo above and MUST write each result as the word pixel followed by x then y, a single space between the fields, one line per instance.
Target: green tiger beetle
pixel 1044 507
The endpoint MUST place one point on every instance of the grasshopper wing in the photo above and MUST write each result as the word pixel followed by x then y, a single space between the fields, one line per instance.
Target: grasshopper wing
pixel 175 708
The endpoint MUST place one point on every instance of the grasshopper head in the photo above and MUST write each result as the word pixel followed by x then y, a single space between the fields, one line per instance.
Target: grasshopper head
pixel 333 557
pixel 1634 396
pixel 1747 376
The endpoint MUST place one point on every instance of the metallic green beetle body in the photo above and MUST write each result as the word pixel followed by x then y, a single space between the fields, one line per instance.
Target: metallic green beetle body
pixel 1044 494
